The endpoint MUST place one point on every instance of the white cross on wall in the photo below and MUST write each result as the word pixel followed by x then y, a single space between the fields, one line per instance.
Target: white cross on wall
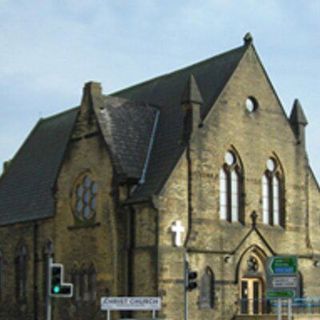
pixel 177 228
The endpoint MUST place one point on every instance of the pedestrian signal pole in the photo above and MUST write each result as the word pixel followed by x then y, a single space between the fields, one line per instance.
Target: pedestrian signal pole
pixel 190 283
pixel 56 287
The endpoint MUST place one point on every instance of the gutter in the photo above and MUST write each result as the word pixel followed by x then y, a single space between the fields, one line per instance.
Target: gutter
pixel 151 143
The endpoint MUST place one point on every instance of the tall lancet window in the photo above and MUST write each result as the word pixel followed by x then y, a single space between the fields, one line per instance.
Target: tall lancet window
pixel 231 186
pixel 21 273
pixel 272 194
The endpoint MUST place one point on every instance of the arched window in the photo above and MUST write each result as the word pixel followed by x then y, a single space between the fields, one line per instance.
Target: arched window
pixel 272 194
pixel 75 280
pixel 231 186
pixel 88 283
pixel 85 197
pixel 84 284
pixel 207 290
pixel 21 273
pixel 92 283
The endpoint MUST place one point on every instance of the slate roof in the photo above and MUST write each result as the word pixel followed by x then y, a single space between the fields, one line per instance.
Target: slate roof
pixel 166 92
pixel 127 127
pixel 141 125
pixel 26 188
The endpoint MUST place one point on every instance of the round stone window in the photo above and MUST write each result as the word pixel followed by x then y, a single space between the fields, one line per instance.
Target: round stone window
pixel 85 198
pixel 251 104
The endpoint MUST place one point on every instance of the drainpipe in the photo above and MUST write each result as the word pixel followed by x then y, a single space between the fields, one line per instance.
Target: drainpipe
pixel 35 271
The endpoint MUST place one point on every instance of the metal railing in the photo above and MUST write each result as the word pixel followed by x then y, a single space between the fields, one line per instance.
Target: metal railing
pixel 271 306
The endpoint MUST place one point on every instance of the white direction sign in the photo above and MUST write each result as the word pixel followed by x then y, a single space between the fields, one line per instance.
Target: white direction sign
pixel 284 282
pixel 130 303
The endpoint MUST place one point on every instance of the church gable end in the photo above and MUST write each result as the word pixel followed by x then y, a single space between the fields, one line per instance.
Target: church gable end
pixel 196 170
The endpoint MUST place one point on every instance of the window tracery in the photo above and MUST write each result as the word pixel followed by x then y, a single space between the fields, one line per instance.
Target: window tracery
pixel 272 194
pixel 85 197
pixel 207 290
pixel 231 185
pixel 21 273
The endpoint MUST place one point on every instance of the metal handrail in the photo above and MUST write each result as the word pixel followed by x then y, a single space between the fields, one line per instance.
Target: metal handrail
pixel 308 305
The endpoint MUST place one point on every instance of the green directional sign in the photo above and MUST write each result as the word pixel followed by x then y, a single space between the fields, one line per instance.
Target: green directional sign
pixel 284 265
pixel 280 294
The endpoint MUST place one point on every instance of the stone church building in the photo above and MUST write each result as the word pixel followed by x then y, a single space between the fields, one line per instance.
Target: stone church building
pixel 202 163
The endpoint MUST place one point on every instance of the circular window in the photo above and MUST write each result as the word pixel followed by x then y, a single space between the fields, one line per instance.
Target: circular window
pixel 251 104
pixel 271 164
pixel 229 158
pixel 85 198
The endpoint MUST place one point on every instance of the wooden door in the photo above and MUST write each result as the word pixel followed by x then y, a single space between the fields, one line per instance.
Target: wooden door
pixel 251 296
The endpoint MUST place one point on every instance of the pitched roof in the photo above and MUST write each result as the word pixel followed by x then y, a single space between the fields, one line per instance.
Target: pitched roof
pixel 166 92
pixel 144 140
pixel 126 127
pixel 26 189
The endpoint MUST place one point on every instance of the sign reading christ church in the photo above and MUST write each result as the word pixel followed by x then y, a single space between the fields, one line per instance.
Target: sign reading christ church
pixel 130 303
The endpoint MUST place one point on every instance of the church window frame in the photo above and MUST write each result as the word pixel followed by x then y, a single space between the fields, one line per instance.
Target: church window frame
pixel 84 280
pixel 85 197
pixel 207 290
pixel 92 282
pixel 251 104
pixel 272 185
pixel 21 276
pixel 231 188
pixel 76 280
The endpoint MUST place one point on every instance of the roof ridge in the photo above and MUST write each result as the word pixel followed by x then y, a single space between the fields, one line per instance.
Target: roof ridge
pixel 59 114
pixel 177 71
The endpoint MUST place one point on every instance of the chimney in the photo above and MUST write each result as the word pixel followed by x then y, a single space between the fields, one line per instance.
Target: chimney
pixel 298 122
pixel 191 102
pixel 92 93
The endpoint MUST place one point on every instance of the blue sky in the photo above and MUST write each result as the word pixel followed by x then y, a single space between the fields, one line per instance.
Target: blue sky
pixel 49 49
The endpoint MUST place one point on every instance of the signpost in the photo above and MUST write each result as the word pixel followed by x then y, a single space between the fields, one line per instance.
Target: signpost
pixel 130 303
pixel 282 277
pixel 282 280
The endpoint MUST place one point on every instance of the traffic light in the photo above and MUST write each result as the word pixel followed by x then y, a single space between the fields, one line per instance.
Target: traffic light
pixel 190 278
pixel 57 287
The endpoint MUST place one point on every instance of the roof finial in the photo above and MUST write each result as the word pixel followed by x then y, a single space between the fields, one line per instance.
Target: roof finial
pixel 254 217
pixel 248 39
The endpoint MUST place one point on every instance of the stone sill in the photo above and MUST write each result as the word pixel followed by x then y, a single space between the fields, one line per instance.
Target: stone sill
pixel 84 226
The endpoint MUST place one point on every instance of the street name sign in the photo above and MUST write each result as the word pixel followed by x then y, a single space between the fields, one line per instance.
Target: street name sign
pixel 130 303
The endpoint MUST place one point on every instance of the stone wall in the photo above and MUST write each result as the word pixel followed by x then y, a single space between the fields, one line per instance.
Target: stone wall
pixel 218 244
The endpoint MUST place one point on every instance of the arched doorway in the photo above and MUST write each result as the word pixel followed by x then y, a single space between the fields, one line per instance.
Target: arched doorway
pixel 252 282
